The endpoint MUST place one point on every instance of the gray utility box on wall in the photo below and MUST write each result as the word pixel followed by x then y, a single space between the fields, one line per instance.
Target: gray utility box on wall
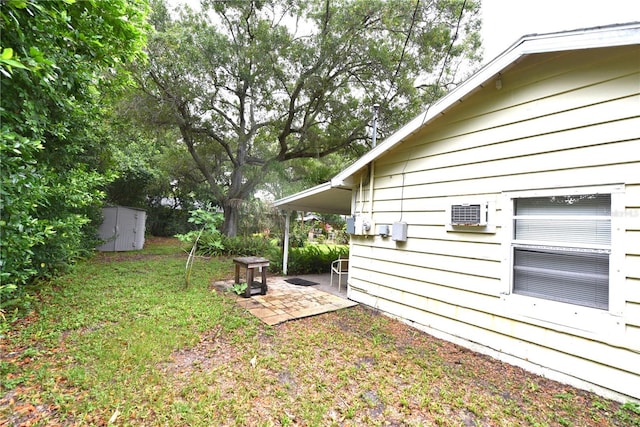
pixel 122 229
pixel 399 231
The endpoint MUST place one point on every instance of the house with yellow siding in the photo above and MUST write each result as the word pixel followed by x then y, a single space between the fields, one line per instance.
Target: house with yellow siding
pixel 506 217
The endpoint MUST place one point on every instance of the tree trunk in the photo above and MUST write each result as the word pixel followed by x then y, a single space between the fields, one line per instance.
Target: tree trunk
pixel 231 210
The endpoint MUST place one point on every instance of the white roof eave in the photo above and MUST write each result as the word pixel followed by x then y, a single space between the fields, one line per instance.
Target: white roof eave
pixel 321 198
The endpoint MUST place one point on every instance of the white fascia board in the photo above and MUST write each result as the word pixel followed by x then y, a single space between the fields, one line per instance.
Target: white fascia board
pixel 590 38
pixel 607 36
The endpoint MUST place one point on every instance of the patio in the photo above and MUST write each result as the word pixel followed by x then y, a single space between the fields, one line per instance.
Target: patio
pixel 285 301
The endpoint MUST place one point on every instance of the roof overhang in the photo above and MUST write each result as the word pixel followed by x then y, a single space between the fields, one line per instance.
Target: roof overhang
pixel 322 198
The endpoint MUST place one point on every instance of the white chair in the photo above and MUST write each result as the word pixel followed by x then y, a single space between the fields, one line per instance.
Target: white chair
pixel 339 267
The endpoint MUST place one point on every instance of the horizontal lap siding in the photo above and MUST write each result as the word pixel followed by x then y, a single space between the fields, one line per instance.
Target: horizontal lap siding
pixel 456 249
pixel 455 273
pixel 632 333
pixel 522 156
pixel 632 317
pixel 490 319
pixel 632 261
pixel 633 291
pixel 573 122
pixel 577 158
pixel 592 124
pixel 631 242
pixel 605 174
pixel 546 356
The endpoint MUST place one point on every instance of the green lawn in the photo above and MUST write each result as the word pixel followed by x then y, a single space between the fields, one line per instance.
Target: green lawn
pixel 121 339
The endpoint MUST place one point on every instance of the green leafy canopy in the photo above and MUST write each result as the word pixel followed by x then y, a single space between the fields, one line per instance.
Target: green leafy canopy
pixel 252 85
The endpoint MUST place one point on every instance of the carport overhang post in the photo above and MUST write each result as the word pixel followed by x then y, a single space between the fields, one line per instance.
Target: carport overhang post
pixel 285 246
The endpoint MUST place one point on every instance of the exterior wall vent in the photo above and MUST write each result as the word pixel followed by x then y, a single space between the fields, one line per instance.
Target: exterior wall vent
pixel 469 214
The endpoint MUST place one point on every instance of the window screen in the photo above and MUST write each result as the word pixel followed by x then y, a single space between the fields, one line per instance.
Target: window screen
pixel 561 248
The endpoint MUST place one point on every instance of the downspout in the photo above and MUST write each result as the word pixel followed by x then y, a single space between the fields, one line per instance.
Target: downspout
pixel 361 196
pixel 374 135
pixel 371 172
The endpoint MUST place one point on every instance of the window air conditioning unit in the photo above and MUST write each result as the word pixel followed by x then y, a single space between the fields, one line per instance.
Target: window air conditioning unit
pixel 467 214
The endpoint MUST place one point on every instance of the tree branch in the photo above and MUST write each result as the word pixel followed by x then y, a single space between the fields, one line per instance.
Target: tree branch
pixel 186 137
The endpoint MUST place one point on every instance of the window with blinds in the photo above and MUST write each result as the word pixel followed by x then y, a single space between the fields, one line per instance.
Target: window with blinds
pixel 561 248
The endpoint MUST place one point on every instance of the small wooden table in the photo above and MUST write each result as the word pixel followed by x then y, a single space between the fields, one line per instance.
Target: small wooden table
pixel 250 263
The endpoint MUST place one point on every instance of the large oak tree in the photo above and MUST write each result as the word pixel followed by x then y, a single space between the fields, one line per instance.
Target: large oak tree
pixel 254 84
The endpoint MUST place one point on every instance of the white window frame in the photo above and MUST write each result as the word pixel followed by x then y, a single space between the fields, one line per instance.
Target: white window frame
pixel 564 315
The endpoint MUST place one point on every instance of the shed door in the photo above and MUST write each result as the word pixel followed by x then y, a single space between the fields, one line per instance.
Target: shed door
pixel 108 229
pixel 128 224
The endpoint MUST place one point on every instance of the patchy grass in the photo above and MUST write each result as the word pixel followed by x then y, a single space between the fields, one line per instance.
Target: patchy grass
pixel 122 340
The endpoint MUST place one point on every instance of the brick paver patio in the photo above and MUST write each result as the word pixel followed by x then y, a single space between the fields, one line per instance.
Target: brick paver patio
pixel 285 301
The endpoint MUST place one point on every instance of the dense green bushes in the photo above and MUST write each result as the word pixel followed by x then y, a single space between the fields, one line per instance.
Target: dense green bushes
pixel 248 246
pixel 61 61
pixel 164 221
pixel 306 259
pixel 310 259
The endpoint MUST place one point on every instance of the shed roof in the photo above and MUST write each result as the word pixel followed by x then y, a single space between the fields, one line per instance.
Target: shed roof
pixel 330 197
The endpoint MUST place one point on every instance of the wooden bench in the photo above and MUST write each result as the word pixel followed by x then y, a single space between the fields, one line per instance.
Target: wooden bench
pixel 250 263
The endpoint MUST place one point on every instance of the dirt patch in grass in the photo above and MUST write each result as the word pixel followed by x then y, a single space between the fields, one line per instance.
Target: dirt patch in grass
pixel 191 361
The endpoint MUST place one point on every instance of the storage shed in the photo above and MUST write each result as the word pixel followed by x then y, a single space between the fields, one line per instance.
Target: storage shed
pixel 122 229
pixel 506 217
